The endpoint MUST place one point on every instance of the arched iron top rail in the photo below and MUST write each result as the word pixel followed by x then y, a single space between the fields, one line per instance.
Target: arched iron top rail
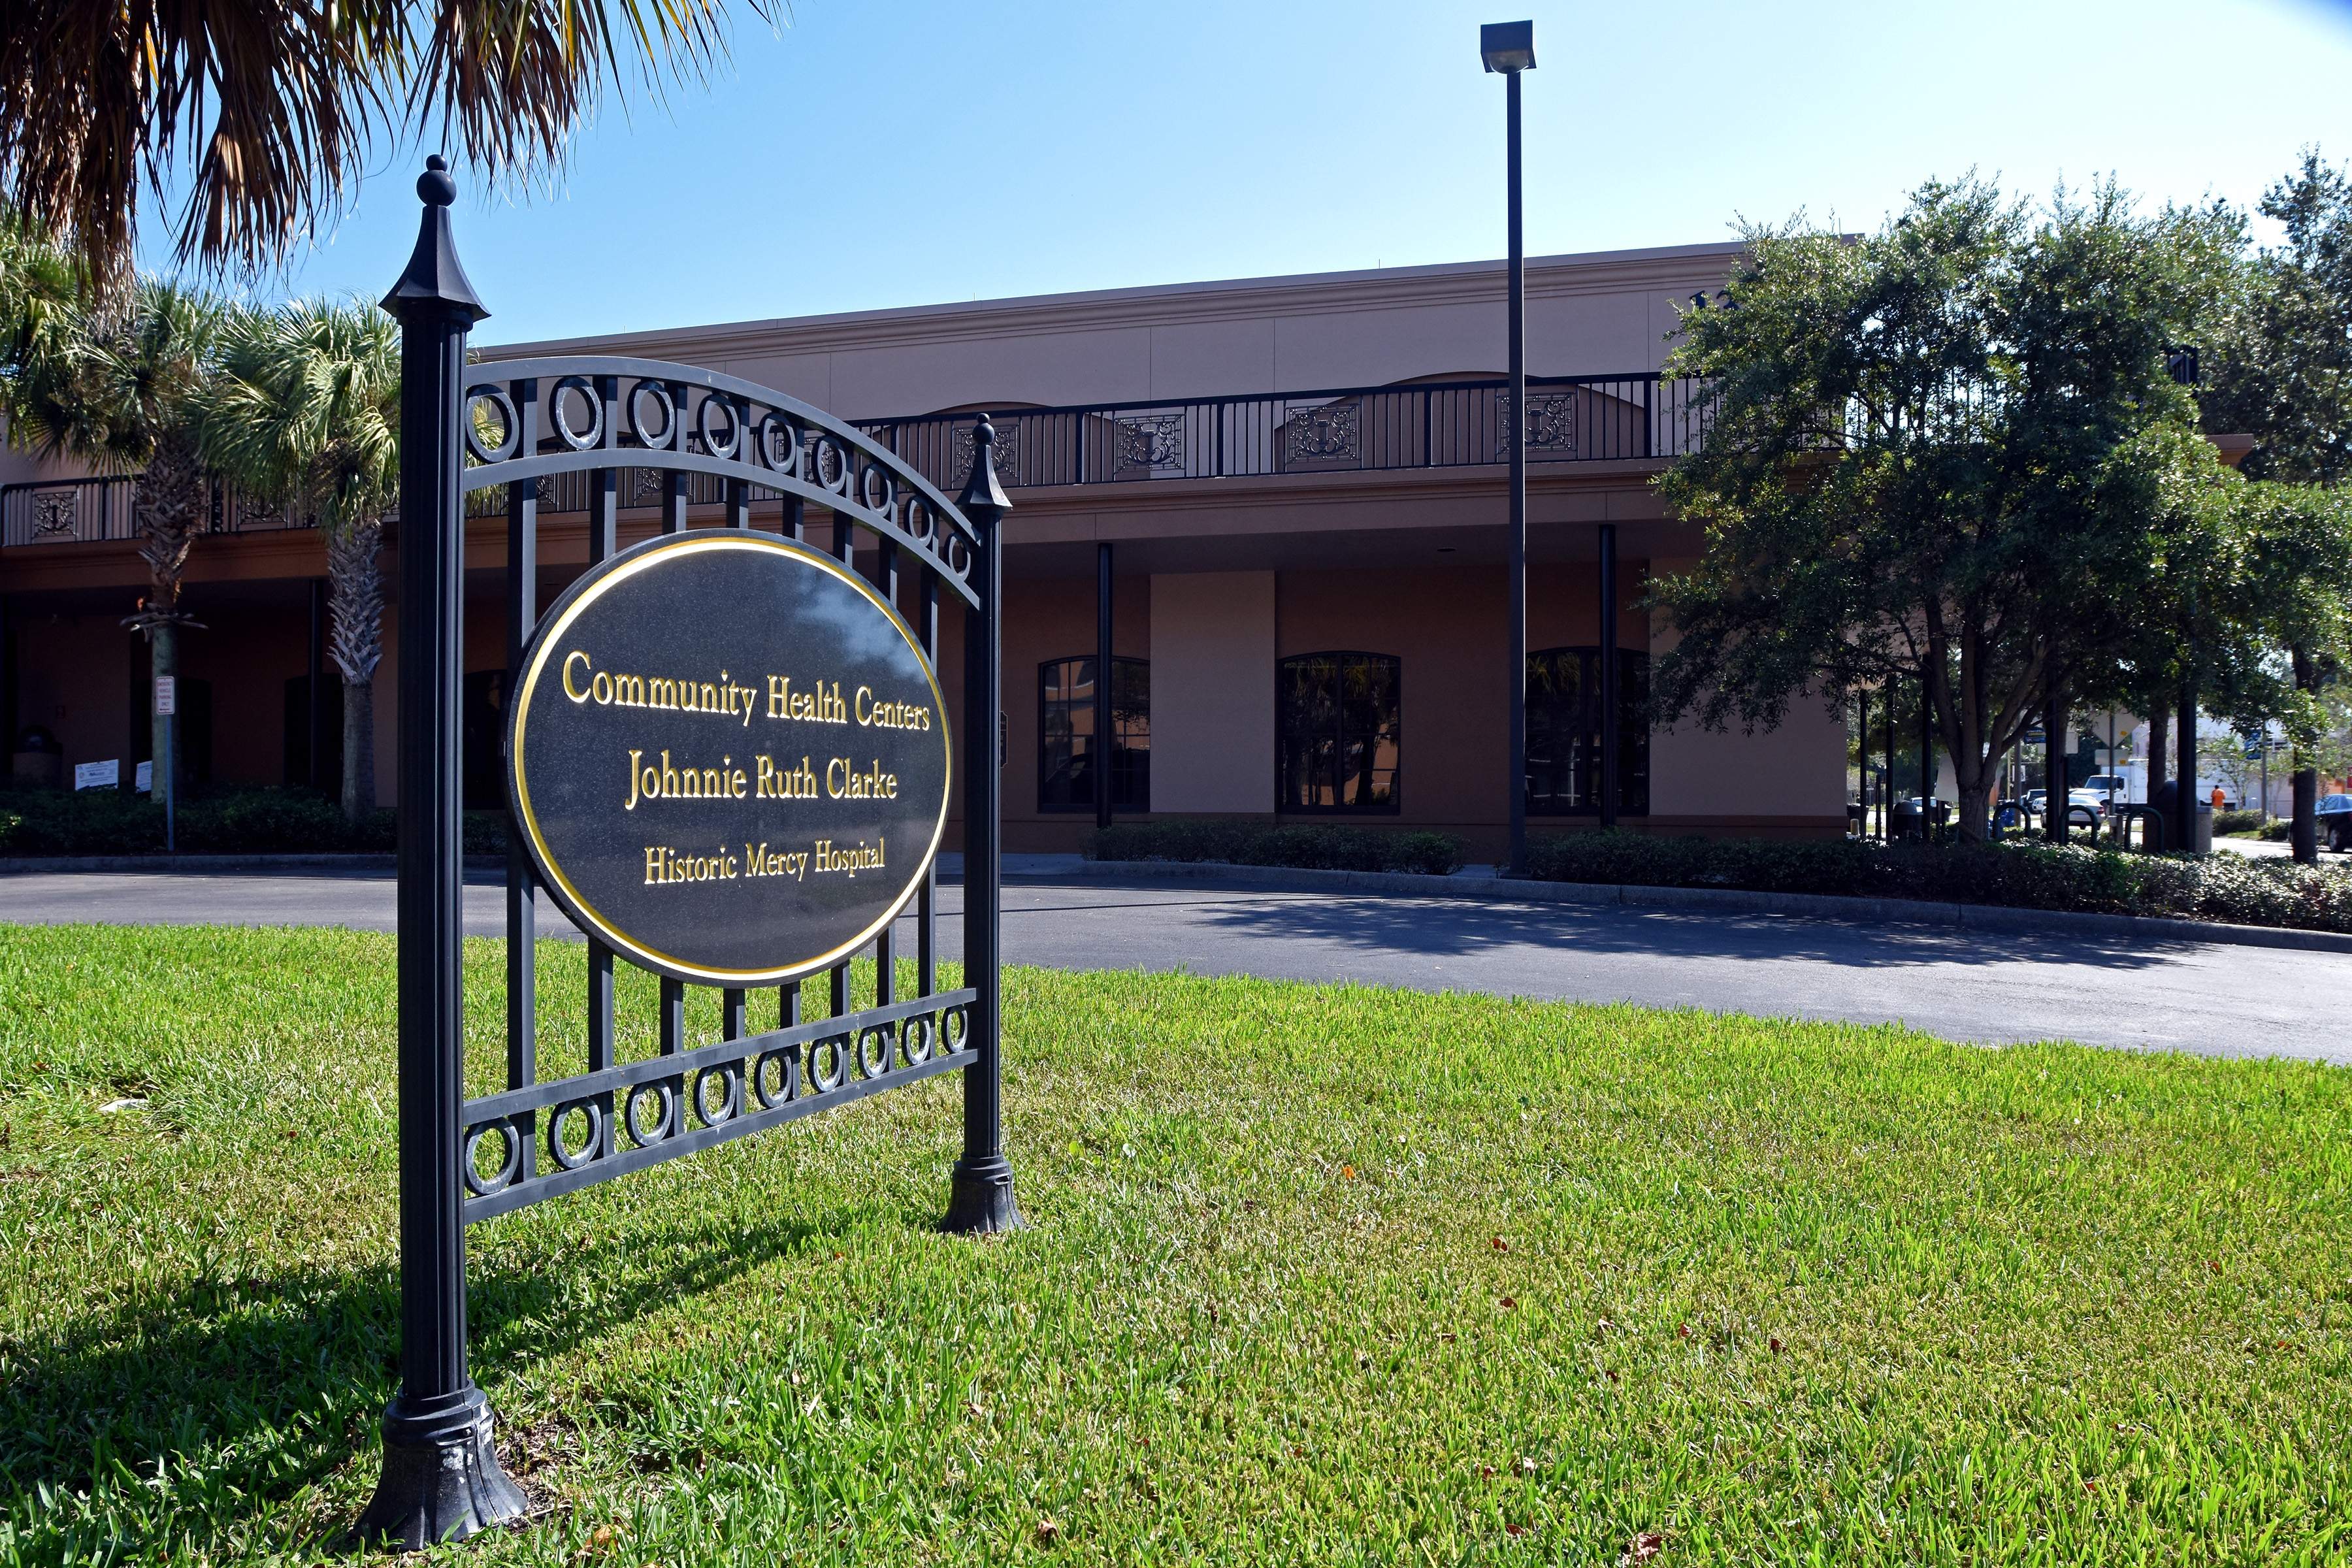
pixel 529 417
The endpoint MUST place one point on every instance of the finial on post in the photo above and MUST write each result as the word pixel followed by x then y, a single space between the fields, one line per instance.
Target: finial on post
pixel 982 493
pixel 433 277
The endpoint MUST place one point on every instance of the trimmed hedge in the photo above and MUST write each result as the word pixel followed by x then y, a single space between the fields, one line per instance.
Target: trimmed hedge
pixel 1316 847
pixel 2237 821
pixel 225 821
pixel 2237 888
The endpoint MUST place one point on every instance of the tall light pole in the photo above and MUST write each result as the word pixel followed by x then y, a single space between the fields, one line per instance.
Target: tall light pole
pixel 1510 48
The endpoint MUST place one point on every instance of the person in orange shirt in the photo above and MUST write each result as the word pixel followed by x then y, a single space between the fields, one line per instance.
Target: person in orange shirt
pixel 2218 797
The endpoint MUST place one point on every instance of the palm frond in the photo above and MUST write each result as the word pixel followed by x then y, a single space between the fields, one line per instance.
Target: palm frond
pixel 267 112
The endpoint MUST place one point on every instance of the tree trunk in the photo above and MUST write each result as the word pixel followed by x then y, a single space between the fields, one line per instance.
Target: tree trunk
pixel 355 608
pixel 2305 833
pixel 2160 743
pixel 359 750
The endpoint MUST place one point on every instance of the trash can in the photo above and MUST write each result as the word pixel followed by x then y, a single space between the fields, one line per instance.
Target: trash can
pixel 2167 802
pixel 1905 820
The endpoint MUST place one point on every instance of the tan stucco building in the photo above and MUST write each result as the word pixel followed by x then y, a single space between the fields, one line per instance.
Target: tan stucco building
pixel 1301 485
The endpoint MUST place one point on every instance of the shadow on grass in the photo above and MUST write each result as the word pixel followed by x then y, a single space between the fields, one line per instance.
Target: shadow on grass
pixel 182 1417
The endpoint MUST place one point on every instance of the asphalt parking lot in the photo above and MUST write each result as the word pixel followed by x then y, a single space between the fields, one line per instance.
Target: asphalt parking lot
pixel 1961 984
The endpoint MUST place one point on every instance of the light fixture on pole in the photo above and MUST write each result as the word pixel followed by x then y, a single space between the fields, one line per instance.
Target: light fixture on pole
pixel 1510 48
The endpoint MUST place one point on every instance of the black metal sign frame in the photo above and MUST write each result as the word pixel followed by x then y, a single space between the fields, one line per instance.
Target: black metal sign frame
pixel 510 424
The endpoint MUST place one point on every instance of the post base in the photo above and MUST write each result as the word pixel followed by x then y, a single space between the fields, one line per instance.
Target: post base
pixel 441 1478
pixel 980 1200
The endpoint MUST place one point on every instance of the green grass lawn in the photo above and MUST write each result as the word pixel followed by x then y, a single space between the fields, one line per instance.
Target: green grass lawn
pixel 1318 1274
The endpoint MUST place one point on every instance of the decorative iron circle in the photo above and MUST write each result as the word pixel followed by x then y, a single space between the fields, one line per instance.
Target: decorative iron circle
pixel 635 1096
pixel 831 470
pixel 958 555
pixel 955 1025
pixel 918 520
pixel 871 479
pixel 873 1051
pixel 559 402
pixel 592 1114
pixel 915 1041
pixel 498 399
pixel 668 412
pixel 731 1093
pixel 781 1059
pixel 835 1065
pixel 509 1160
pixel 780 444
pixel 710 444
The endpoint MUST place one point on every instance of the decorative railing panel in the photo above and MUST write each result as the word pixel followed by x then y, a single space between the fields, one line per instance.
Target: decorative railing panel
pixel 93 511
pixel 1437 425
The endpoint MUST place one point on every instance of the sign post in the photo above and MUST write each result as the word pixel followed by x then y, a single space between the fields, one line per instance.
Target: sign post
pixel 441 1475
pixel 729 759
pixel 167 707
pixel 981 1197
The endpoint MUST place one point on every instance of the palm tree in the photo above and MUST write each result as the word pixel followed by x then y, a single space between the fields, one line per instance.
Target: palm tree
pixel 116 390
pixel 305 412
pixel 265 112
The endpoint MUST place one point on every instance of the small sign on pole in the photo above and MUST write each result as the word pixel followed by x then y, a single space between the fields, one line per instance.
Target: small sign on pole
pixel 167 696
pixel 143 780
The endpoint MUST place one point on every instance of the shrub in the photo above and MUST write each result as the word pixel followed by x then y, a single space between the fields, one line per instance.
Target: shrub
pixel 2023 875
pixel 2231 887
pixel 1319 847
pixel 2278 829
pixel 2237 821
pixel 229 820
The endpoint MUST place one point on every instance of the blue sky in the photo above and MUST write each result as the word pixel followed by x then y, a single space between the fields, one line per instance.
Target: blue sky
pixel 876 154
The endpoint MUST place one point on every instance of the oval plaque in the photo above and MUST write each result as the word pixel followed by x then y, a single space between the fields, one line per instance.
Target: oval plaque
pixel 728 756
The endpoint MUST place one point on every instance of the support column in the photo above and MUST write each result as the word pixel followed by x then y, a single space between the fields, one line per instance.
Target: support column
pixel 980 1198
pixel 1862 756
pixel 1103 741
pixel 2053 755
pixel 314 721
pixel 441 1478
pixel 1611 679
pixel 2184 797
pixel 1926 755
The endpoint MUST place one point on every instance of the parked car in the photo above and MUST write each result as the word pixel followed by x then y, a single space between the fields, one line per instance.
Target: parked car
pixel 2335 821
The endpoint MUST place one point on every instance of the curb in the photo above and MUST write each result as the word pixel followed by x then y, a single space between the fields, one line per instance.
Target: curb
pixel 30 865
pixel 2146 929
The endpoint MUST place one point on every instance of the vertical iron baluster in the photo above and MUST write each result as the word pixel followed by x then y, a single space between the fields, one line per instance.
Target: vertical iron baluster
pixel 733 1013
pixel 739 504
pixel 793 524
pixel 672 1038
pixel 674 497
pixel 788 1013
pixel 600 1005
pixel 839 975
pixel 522 910
pixel 927 964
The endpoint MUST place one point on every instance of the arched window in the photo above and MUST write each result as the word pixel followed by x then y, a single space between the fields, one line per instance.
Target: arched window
pixel 1337 733
pixel 1066 734
pixel 1564 732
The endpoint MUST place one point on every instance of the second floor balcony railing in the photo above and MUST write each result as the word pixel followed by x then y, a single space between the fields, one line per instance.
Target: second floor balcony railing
pixel 1424 424
pixel 92 510
pixel 1457 424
